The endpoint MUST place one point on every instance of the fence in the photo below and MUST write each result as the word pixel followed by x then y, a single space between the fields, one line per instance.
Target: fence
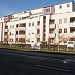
pixel 56 47
pixel 42 46
pixel 15 45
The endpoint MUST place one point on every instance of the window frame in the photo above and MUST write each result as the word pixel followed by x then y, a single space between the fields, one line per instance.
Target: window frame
pixel 29 24
pixel 38 23
pixel 65 30
pixel 65 20
pixel 11 26
pixel 16 32
pixel 60 30
pixel 68 5
pixel 32 23
pixel 60 6
pixel 60 21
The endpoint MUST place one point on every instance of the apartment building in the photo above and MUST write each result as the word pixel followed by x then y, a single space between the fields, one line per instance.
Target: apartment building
pixel 52 24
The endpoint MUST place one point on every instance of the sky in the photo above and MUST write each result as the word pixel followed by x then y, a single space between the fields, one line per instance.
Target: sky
pixel 8 7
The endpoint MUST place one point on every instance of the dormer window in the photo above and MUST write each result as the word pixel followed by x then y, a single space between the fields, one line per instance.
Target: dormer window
pixel 68 5
pixel 60 7
pixel 46 10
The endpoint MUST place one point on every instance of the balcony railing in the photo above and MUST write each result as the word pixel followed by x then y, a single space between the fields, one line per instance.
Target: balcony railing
pixel 37 35
pixel 19 36
pixel 21 28
pixel 38 27
pixel 72 35
pixel 5 36
pixel 6 30
pixel 72 24
pixel 52 35
pixel 52 26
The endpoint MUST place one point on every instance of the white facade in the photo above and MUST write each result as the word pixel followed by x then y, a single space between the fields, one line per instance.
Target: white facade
pixel 53 24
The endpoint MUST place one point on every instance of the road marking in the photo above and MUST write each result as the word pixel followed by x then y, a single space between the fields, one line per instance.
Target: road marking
pixel 53 68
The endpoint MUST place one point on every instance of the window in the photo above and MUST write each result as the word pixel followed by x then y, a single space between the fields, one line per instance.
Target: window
pixel 16 39
pixel 38 39
pixel 5 33
pixel 47 10
pixel 11 26
pixel 22 40
pixel 10 33
pixel 22 32
pixel 28 33
pixel 44 17
pixel 38 23
pixel 44 35
pixel 51 21
pixel 17 25
pixel 65 30
pixel 33 33
pixel 5 40
pixel 23 18
pixel 1 18
pixel 12 40
pixel 60 30
pixel 16 32
pixel 38 31
pixel 6 27
pixel 32 23
pixel 29 24
pixel 43 39
pixel 51 30
pixel 60 21
pixel 72 29
pixel 23 25
pixel 65 20
pixel 44 26
pixel 19 18
pixel 32 41
pixel 51 40
pixel 60 7
pixel 72 19
pixel 44 30
pixel 68 5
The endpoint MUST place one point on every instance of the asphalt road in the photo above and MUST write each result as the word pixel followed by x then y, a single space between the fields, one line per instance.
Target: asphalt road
pixel 33 63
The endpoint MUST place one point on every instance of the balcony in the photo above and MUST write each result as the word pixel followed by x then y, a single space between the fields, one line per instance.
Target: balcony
pixel 52 35
pixel 37 35
pixel 6 30
pixel 22 40
pixel 38 27
pixel 24 14
pixel 5 36
pixel 72 24
pixel 21 36
pixel 72 35
pixel 7 18
pixel 21 28
pixel 52 26
pixel 15 19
